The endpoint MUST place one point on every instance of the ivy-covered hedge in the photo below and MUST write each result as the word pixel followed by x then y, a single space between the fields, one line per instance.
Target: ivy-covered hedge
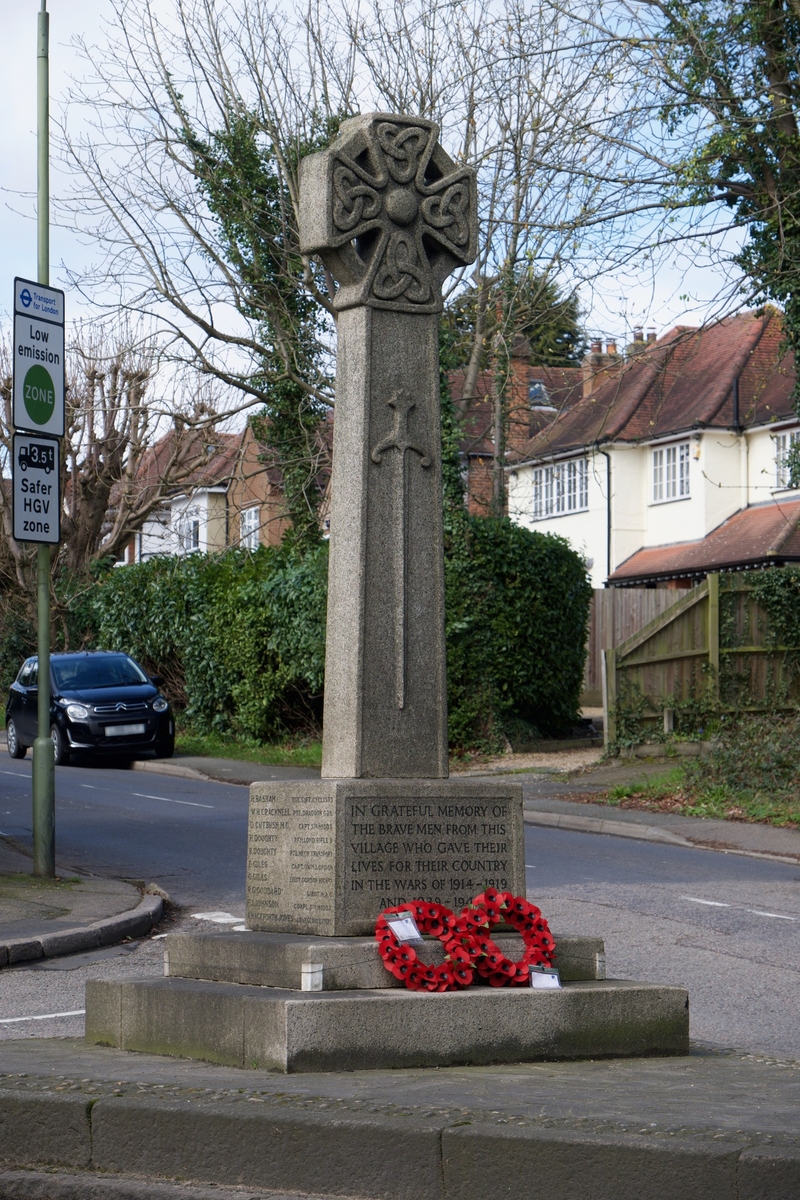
pixel 240 638
pixel 517 606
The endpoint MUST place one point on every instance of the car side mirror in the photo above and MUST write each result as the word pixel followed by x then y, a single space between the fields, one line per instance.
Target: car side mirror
pixel 156 680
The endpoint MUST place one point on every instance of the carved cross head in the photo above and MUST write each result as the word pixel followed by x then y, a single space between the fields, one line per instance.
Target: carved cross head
pixel 389 213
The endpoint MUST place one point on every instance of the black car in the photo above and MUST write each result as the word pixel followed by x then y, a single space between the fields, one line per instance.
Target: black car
pixel 101 702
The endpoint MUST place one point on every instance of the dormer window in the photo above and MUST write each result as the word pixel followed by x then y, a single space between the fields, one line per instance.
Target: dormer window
pixel 539 397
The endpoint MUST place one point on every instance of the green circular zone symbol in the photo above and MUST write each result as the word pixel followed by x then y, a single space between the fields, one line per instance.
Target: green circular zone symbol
pixel 39 395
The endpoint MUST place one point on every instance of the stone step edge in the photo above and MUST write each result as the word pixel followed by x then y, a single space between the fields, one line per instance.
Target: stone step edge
pixel 107 932
pixel 646 833
pixel 391 1155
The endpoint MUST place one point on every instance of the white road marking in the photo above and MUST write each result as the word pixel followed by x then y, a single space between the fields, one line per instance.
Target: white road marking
pixel 75 1012
pixel 168 800
pixel 529 867
pixel 16 774
pixel 218 917
pixel 757 912
pixel 93 787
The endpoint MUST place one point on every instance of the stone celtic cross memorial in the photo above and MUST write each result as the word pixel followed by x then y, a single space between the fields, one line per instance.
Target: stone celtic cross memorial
pixel 304 987
pixel 391 215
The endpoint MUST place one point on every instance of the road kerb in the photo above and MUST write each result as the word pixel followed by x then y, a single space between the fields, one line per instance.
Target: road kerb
pixel 133 923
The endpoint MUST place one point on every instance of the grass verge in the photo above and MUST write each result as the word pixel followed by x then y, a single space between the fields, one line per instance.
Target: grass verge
pixel 216 745
pixel 673 792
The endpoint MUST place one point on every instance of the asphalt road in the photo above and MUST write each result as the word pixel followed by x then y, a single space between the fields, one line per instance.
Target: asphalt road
pixel 725 926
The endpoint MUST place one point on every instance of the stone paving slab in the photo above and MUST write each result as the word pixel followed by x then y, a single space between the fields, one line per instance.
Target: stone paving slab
pixel 700 1127
pixel 47 1185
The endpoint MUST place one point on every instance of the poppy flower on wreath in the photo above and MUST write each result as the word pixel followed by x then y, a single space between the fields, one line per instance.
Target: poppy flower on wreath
pixel 469 948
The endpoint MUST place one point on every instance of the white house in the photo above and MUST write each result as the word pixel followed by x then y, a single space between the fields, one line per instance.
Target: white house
pixel 676 463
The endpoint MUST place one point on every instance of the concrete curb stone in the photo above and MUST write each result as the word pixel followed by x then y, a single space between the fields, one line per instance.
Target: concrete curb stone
pixel 46 1129
pixel 394 1158
pixel 41 1185
pixel 106 932
pixel 584 1166
pixel 384 1152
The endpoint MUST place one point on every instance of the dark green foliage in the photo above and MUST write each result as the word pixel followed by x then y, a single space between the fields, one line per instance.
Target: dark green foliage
pixel 517 614
pixel 754 754
pixel 530 304
pixel 778 593
pixel 517 611
pixel 238 637
pixel 733 80
pixel 243 180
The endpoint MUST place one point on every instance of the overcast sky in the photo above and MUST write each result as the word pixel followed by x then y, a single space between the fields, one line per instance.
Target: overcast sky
pixel 18 128
pixel 613 309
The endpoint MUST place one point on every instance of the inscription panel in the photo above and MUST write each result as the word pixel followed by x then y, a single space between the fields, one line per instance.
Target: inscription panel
pixel 291 861
pixel 329 859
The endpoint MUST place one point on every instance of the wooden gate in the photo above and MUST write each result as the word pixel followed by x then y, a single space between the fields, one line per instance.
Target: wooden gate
pixel 617 614
pixel 689 655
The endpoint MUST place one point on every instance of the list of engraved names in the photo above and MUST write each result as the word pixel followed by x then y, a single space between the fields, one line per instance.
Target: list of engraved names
pixel 291 858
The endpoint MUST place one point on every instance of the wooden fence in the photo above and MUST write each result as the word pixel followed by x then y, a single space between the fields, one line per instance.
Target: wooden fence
pixel 615 615
pixel 711 651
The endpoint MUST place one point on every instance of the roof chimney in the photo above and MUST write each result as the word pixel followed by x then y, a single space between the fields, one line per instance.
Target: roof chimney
pixel 598 366
pixel 651 336
pixel 637 345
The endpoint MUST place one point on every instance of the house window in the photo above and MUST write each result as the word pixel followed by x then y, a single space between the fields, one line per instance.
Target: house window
pixel 561 489
pixel 249 526
pixel 783 444
pixel 189 533
pixel 671 472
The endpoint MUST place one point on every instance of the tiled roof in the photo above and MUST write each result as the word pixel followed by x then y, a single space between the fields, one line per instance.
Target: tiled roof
pixel 683 381
pixel 765 534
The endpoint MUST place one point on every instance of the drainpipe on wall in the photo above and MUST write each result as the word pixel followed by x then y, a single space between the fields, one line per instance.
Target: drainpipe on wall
pixel 607 457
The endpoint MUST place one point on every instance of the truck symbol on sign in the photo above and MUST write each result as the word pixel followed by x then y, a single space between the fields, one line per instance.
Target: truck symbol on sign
pixel 38 455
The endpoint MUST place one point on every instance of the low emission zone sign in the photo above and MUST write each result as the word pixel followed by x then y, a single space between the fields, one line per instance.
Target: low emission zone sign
pixel 36 503
pixel 38 358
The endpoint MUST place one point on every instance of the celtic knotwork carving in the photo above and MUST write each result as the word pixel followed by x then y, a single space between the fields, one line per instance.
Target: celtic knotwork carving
pixel 389 212
pixel 353 202
pixel 403 148
pixel 450 211
pixel 403 271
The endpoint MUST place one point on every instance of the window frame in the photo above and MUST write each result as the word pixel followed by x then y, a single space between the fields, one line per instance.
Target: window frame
pixel 789 437
pixel 560 489
pixel 249 531
pixel 670 472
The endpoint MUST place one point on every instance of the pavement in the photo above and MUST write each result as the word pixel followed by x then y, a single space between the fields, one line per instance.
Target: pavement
pixel 713 1124
pixel 45 918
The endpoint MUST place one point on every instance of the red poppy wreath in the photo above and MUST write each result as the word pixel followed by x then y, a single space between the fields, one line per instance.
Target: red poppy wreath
pixel 468 946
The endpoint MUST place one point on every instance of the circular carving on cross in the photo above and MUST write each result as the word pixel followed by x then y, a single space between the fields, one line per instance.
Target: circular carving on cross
pixel 389 212
pixel 402 206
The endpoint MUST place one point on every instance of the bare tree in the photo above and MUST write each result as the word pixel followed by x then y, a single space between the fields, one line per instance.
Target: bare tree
pixel 133 435
pixel 548 113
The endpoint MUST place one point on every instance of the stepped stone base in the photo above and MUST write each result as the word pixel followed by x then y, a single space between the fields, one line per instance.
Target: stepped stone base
pixel 290 1031
pixel 276 959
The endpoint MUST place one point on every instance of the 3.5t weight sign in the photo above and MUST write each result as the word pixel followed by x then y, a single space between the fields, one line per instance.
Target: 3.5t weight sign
pixel 38 358
pixel 36 502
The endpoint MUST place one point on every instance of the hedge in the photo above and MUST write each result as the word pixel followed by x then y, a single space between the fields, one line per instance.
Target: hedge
pixel 240 638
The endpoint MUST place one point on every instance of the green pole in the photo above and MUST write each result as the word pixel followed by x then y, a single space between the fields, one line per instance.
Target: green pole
pixel 44 776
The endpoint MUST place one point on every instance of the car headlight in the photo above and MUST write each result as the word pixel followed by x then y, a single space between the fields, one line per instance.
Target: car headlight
pixel 77 712
pixel 160 704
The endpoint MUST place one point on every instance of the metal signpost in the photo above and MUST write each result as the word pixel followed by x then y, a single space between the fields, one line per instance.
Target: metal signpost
pixel 38 417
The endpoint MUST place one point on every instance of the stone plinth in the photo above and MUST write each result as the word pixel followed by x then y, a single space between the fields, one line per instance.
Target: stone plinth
pixel 276 959
pixel 360 1030
pixel 328 857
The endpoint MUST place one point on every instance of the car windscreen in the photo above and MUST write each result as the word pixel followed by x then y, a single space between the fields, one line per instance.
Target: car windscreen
pixel 112 670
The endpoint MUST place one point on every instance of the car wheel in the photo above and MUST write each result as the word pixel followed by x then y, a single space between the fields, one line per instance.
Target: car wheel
pixel 60 751
pixel 15 746
pixel 165 749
